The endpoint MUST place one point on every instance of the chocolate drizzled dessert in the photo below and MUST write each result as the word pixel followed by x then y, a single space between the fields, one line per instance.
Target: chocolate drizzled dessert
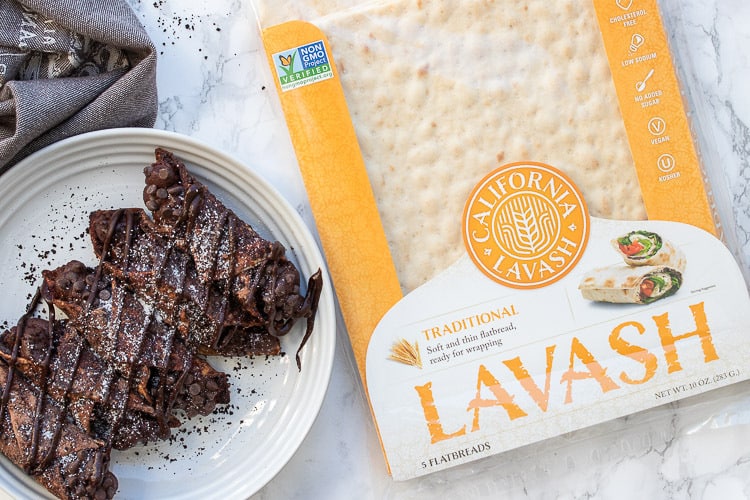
pixel 237 277
pixel 58 363
pixel 60 394
pixel 48 446
pixel 207 320
pixel 130 336
pixel 44 428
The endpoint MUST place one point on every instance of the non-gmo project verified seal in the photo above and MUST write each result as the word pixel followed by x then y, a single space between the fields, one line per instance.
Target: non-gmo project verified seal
pixel 302 65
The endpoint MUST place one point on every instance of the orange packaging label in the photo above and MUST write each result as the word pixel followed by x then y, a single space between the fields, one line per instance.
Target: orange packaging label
pixel 334 173
pixel 671 179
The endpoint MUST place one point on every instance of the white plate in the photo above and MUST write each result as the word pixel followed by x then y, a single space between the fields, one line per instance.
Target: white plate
pixel 44 205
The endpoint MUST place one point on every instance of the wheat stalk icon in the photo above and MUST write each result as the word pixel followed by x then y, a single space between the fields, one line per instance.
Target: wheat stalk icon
pixel 407 353
pixel 525 226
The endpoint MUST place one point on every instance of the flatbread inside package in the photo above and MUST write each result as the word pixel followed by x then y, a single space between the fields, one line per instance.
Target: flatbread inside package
pixel 515 215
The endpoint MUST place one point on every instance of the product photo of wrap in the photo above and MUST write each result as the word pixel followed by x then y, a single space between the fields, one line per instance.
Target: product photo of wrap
pixel 653 269
pixel 479 84
pixel 644 248
pixel 630 284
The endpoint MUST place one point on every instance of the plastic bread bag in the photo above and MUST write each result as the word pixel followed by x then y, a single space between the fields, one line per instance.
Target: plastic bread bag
pixel 563 110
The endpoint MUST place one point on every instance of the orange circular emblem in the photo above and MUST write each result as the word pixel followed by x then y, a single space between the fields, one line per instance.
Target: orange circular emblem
pixel 526 225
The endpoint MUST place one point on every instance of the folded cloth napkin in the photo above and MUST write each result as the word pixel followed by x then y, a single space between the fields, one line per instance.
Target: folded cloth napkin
pixel 69 67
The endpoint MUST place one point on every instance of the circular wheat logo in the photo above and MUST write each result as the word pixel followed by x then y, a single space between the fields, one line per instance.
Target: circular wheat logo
pixel 526 225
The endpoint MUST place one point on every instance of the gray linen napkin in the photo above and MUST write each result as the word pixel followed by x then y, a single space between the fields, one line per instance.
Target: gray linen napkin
pixel 69 67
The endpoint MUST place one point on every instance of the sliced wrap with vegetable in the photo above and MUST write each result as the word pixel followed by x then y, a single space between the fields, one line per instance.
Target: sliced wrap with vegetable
pixel 630 284
pixel 644 248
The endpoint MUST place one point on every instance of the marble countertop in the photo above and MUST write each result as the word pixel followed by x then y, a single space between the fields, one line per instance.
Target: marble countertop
pixel 213 86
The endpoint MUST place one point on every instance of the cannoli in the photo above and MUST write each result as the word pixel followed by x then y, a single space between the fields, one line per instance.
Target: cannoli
pixel 198 250
pixel 130 336
pixel 59 363
pixel 225 249
pixel 37 437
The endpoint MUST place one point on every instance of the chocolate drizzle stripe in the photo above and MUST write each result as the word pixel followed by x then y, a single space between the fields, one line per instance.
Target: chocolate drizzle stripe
pixel 113 327
pixel 58 429
pixel 192 208
pixel 181 381
pixel 215 243
pixel 191 193
pixel 314 289
pixel 220 342
pixel 14 355
pixel 105 251
pixel 277 251
pixel 42 389
pixel 11 372
pixel 166 406
pixel 128 238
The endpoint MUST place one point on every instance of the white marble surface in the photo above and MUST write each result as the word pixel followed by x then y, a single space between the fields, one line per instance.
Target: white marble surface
pixel 213 86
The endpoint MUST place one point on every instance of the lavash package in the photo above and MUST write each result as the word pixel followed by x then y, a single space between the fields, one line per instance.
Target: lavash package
pixel 523 226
